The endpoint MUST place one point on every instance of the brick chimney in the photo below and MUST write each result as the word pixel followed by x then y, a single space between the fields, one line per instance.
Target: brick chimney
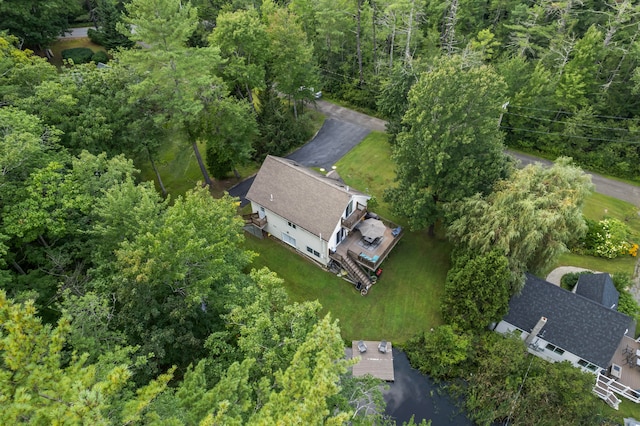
pixel 541 322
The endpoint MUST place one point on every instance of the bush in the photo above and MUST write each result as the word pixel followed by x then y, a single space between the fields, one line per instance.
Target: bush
pixel 79 55
pixel 100 56
pixel 607 238
pixel 568 281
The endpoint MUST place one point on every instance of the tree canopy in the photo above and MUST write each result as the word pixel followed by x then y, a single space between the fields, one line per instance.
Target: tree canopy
pixel 451 147
pixel 530 218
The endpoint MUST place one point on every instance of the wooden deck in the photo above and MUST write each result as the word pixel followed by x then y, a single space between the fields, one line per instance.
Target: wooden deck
pixel 354 243
pixel 625 358
pixel 373 362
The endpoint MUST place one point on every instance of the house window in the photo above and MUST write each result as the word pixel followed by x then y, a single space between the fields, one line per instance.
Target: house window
pixel 316 253
pixel 555 349
pixel 587 365
pixel 349 209
pixel 293 225
pixel 288 239
pixel 309 249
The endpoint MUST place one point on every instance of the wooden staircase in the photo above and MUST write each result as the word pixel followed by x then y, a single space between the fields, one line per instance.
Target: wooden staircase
pixel 356 273
pixel 605 388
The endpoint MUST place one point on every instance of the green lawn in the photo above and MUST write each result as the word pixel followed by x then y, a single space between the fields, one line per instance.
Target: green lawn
pixel 405 301
pixel 597 207
pixel 368 167
pixel 177 164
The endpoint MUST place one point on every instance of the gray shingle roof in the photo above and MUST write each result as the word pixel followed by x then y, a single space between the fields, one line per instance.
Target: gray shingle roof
pixel 574 323
pixel 599 288
pixel 301 195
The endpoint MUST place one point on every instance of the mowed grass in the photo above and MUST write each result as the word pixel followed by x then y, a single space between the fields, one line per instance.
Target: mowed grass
pixel 597 207
pixel 406 299
pixel 368 167
pixel 404 302
pixel 177 164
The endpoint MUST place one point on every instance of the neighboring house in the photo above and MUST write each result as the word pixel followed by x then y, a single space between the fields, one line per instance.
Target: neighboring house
pixel 317 215
pixel 559 325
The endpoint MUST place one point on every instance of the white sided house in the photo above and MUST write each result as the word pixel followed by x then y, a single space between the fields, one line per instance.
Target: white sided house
pixel 313 213
pixel 559 325
pixel 581 327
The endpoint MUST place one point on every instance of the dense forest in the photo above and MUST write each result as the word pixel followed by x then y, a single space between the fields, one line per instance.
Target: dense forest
pixel 122 304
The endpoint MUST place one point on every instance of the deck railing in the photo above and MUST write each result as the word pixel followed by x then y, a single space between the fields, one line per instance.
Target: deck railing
pixel 605 387
pixel 373 265
pixel 354 217
pixel 255 219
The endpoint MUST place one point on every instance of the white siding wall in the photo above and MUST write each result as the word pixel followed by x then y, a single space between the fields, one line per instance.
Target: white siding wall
pixel 277 225
pixel 540 347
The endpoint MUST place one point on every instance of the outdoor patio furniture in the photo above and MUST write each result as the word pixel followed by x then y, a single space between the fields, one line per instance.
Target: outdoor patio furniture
pixel 362 347
pixel 396 231
pixel 382 346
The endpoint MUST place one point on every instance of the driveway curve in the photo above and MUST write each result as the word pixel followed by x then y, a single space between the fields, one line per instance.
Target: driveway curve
pixel 334 139
pixel 330 144
pixel 76 33
pixel 606 186
pixel 556 275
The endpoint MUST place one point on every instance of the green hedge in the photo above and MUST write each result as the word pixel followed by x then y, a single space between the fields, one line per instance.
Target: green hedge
pixel 100 56
pixel 79 55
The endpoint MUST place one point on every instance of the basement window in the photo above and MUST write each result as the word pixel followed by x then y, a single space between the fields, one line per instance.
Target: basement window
pixel 309 249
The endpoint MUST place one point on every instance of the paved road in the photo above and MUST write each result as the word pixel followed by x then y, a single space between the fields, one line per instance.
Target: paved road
pixel 350 116
pixel 610 187
pixel 76 32
pixel 345 128
pixel 330 144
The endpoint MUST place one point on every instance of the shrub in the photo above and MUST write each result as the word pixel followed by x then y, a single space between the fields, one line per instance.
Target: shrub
pixel 100 56
pixel 568 281
pixel 79 55
pixel 607 238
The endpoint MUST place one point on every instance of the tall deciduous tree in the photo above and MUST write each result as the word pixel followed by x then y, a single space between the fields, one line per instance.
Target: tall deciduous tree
pixel 37 22
pixel 452 147
pixel 292 67
pixel 39 387
pixel 179 81
pixel 20 70
pixel 477 290
pixel 530 217
pixel 243 42
pixel 172 282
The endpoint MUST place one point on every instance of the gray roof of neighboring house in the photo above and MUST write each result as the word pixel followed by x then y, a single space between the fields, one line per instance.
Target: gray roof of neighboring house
pixel 574 323
pixel 599 288
pixel 301 195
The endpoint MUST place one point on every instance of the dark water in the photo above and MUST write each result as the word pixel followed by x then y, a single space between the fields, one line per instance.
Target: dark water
pixel 414 393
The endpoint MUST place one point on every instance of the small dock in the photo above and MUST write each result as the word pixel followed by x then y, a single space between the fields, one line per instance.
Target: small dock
pixel 373 361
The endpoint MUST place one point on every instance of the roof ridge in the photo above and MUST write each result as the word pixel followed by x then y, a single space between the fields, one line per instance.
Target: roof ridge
pixel 600 305
pixel 313 174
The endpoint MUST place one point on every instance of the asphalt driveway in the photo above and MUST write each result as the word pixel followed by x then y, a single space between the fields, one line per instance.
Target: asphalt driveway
pixel 330 144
